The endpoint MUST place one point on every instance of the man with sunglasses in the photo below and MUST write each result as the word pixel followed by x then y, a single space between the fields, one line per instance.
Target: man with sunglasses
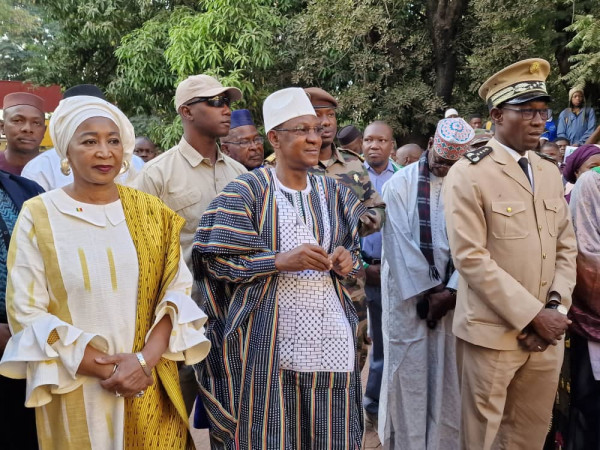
pixel 243 143
pixel 513 244
pixel 189 176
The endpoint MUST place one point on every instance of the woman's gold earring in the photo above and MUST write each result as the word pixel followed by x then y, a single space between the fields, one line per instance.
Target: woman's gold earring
pixel 65 168
pixel 124 167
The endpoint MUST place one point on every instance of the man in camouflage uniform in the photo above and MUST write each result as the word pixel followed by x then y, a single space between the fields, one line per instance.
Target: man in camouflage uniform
pixel 347 167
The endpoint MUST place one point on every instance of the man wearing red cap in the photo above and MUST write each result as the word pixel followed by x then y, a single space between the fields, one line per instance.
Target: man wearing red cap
pixel 24 128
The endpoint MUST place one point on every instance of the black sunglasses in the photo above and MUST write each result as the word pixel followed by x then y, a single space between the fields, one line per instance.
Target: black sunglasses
pixel 217 101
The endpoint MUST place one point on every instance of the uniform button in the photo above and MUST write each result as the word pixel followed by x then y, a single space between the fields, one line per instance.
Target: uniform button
pixel 540 227
pixel 544 255
pixel 509 209
pixel 544 283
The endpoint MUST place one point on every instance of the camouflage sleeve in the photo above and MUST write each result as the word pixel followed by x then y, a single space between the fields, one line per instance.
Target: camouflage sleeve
pixel 357 179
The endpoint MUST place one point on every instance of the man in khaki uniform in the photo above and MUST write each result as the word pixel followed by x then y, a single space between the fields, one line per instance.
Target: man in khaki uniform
pixel 513 244
pixel 189 176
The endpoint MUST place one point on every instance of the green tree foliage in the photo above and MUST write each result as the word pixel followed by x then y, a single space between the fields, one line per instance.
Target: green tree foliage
pixel 403 61
pixel 586 44
pixel 375 56
pixel 229 39
pixel 22 33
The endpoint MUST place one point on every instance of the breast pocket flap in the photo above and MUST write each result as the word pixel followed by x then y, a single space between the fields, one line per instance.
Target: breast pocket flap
pixel 508 209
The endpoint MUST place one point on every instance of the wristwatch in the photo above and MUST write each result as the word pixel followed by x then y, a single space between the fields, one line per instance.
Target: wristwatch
pixel 559 307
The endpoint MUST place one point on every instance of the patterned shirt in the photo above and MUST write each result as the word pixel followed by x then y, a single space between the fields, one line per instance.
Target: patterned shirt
pixel 9 214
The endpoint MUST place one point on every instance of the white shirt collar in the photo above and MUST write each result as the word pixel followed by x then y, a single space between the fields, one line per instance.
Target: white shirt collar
pixel 516 155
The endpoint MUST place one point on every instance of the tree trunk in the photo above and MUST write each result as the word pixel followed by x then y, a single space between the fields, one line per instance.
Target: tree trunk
pixel 444 18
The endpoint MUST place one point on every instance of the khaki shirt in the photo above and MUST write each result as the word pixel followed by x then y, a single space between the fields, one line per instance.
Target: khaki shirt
pixel 187 182
pixel 512 244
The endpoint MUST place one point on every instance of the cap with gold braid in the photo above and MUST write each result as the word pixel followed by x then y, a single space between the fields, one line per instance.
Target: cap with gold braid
pixel 518 83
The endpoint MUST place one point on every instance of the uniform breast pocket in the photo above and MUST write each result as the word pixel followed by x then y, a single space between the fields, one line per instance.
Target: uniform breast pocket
pixel 181 201
pixel 509 220
pixel 552 207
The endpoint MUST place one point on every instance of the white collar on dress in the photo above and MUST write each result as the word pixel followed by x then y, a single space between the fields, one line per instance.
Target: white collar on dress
pixel 94 214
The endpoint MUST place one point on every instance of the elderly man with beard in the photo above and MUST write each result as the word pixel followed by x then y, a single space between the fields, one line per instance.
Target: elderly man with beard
pixel 419 394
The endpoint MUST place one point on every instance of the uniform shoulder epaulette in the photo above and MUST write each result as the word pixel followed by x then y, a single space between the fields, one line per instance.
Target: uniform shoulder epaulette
pixel 546 157
pixel 345 150
pixel 478 154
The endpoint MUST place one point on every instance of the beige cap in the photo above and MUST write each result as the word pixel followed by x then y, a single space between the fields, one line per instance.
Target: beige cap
pixel 284 105
pixel 520 82
pixel 203 86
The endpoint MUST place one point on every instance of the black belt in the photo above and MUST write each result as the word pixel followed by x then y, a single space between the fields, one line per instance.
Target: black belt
pixel 371 260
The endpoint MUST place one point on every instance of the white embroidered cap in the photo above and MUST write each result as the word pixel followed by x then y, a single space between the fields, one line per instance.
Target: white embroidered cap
pixel 284 105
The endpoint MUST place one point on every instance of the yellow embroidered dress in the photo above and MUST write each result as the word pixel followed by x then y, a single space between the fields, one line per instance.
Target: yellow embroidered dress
pixel 99 275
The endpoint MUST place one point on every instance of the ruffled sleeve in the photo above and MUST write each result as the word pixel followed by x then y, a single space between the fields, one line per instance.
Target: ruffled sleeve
pixel 188 342
pixel 44 349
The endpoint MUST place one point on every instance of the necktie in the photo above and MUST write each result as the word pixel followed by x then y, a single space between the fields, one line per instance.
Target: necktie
pixel 524 163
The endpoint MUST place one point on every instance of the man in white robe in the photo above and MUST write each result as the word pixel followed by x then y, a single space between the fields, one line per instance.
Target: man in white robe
pixel 419 403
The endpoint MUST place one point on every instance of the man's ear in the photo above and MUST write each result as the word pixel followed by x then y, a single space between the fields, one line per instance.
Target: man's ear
pixel 273 138
pixel 496 115
pixel 225 148
pixel 185 113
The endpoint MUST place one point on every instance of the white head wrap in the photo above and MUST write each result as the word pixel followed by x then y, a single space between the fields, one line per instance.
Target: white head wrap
pixel 73 111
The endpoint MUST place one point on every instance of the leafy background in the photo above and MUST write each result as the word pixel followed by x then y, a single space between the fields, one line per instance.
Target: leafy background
pixel 403 61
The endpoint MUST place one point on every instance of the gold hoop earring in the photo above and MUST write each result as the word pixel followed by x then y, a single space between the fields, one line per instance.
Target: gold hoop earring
pixel 65 168
pixel 124 167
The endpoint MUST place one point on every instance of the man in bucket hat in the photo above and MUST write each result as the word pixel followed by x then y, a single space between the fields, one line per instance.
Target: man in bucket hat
pixel 513 244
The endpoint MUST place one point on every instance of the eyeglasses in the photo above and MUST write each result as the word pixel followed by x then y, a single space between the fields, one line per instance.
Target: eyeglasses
pixel 217 101
pixel 529 113
pixel 302 131
pixel 247 144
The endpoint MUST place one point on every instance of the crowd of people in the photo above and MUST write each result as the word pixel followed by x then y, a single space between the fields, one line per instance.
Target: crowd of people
pixel 142 288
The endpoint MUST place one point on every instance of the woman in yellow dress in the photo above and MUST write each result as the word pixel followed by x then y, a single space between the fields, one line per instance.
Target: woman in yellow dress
pixel 98 298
